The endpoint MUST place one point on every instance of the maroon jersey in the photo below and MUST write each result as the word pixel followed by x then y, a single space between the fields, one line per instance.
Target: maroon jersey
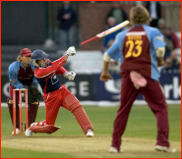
pixel 136 52
pixel 26 76
pixel 19 76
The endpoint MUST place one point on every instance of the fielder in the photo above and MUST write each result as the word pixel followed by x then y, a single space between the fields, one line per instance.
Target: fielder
pixel 21 75
pixel 56 95
pixel 141 50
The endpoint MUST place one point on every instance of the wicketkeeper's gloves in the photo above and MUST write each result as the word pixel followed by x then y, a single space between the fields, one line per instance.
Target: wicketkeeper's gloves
pixel 33 95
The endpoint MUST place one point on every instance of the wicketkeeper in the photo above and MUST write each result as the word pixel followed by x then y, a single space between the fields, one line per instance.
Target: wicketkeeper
pixel 21 75
pixel 56 95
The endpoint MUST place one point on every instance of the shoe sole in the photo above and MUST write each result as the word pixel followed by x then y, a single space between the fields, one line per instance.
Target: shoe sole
pixel 172 151
pixel 89 135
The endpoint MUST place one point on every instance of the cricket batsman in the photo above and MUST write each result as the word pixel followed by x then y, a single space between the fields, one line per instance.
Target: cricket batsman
pixel 56 95
pixel 21 75
pixel 141 51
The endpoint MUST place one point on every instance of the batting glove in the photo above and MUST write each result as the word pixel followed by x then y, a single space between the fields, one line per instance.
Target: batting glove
pixel 70 75
pixel 71 51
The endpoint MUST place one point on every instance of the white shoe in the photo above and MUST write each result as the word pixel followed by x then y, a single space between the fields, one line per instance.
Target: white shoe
pixel 28 132
pixel 33 124
pixel 114 150
pixel 165 149
pixel 17 132
pixel 90 133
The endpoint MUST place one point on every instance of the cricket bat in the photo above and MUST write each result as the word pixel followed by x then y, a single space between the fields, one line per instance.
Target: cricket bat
pixel 107 32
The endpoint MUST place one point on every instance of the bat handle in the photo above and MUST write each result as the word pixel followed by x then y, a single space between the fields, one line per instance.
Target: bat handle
pixel 89 40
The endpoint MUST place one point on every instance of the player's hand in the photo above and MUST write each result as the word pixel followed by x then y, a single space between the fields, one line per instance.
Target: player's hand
pixel 160 63
pixel 70 75
pixel 71 51
pixel 105 76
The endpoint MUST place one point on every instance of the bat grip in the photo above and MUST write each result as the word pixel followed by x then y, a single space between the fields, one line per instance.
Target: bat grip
pixel 89 40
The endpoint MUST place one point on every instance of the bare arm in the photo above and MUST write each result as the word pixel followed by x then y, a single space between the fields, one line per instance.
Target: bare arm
pixel 160 61
pixel 105 73
pixel 160 52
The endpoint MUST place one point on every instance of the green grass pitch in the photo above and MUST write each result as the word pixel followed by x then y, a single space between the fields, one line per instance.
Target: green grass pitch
pixel 70 142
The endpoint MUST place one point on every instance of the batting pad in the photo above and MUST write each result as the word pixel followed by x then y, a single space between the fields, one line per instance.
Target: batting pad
pixel 72 104
pixel 49 129
pixel 82 119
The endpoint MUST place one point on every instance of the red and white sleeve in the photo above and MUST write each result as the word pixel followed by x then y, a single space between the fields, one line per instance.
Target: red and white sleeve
pixel 62 71
pixel 56 66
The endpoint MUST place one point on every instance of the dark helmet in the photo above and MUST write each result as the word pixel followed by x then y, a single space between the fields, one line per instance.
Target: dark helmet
pixel 39 55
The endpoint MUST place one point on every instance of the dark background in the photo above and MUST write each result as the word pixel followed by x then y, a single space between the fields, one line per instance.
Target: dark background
pixel 23 23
